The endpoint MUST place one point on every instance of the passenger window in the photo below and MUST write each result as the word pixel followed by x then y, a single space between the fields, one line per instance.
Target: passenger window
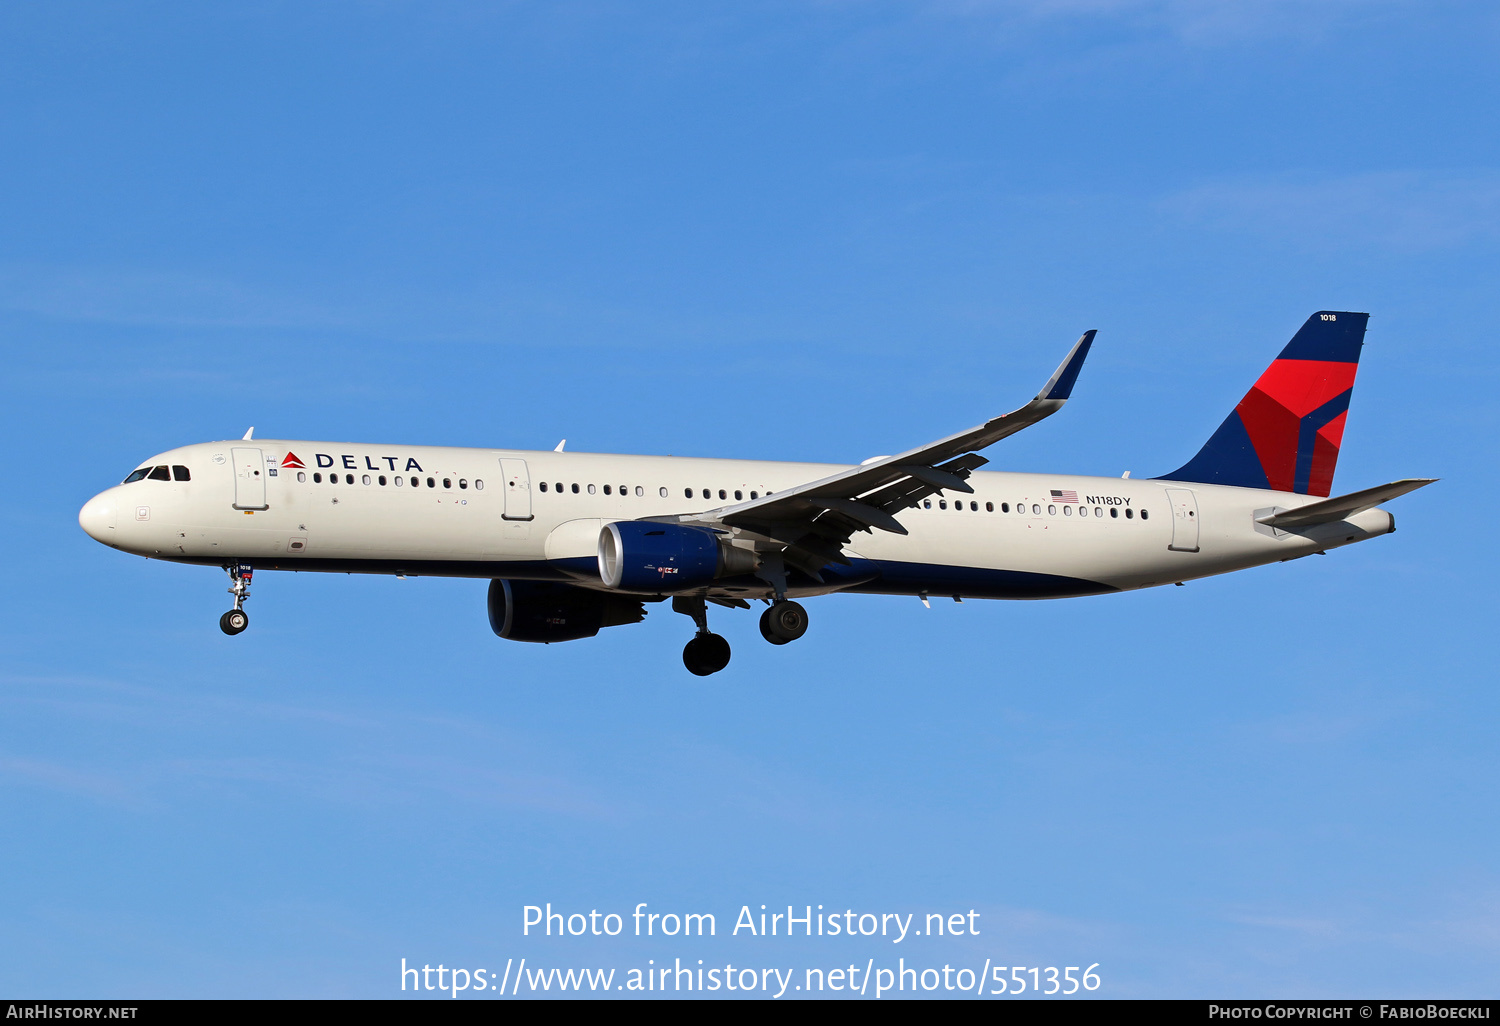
pixel 738 495
pixel 447 482
pixel 1145 514
pixel 606 489
pixel 926 503
pixel 1036 509
pixel 559 488
pixel 180 473
pixel 1005 507
pixel 973 507
pixel 478 486
pixel 365 479
pixel 638 491
pixel 626 491
pixel 1052 511
pixel 942 504
pixel 592 490
pixel 160 474
pixel 348 479
pixel 989 507
pixel 381 479
pixel 688 492
pixel 1114 512
pixel 723 494
pixel 1067 511
pixel 317 478
pixel 706 494
pixel 1129 513
pixel 1098 511
pixel 663 491
pixel 463 483
pixel 431 483
pixel 301 477
pixel 136 475
pixel 400 481
pixel 753 496
pixel 575 488
pixel 543 486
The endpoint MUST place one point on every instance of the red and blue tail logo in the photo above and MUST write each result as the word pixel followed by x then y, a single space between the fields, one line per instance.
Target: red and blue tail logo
pixel 1285 434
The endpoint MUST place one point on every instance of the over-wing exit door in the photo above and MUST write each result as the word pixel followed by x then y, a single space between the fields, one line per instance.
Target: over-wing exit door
pixel 517 483
pixel 249 478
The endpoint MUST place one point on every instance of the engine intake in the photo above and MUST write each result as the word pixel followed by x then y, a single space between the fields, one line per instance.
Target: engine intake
pixel 645 556
pixel 544 612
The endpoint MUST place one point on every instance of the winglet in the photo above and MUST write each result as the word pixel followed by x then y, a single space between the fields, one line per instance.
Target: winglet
pixel 1060 385
pixel 248 434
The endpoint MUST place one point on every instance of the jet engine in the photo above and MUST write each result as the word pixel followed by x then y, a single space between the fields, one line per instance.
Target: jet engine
pixel 645 556
pixel 546 612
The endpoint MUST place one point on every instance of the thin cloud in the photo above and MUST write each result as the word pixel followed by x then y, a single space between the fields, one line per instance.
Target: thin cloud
pixel 1194 22
pixel 69 780
pixel 1396 210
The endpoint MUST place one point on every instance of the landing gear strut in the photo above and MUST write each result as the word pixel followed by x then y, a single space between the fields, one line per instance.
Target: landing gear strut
pixel 784 621
pixel 236 619
pixel 707 653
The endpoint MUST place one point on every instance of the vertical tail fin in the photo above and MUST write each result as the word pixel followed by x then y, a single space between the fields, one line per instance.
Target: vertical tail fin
pixel 1285 434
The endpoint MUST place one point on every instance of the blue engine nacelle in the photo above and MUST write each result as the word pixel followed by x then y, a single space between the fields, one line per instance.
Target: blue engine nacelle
pixel 645 556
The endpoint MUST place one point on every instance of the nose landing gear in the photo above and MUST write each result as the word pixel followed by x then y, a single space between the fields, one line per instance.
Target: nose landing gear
pixel 707 653
pixel 236 620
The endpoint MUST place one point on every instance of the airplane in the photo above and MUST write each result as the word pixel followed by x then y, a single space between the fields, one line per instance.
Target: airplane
pixel 574 542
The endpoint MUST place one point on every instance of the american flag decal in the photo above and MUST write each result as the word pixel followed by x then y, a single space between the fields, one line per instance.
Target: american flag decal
pixel 1060 496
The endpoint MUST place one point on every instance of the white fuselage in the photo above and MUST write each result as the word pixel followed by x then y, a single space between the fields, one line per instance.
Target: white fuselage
pixel 496 513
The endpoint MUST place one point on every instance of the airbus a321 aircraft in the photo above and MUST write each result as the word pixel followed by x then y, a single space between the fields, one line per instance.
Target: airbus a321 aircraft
pixel 572 542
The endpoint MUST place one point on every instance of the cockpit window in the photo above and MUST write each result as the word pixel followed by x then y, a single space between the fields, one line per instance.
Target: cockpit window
pixel 136 475
pixel 159 474
pixel 180 473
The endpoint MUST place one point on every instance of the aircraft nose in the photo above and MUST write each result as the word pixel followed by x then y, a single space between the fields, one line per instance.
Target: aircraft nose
pixel 97 518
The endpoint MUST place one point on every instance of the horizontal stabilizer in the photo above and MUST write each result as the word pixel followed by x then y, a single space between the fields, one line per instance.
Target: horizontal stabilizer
pixel 1330 511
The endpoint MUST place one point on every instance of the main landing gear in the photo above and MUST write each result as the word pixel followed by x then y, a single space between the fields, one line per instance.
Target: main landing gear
pixel 236 619
pixel 782 622
pixel 707 653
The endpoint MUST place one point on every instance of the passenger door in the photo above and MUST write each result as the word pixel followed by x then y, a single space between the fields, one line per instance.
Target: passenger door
pixel 249 478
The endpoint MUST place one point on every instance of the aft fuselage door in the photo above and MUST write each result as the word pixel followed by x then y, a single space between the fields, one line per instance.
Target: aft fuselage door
pixel 517 482
pixel 1184 519
pixel 249 478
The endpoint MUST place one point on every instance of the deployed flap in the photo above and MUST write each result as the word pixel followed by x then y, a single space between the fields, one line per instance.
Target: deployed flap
pixel 1343 507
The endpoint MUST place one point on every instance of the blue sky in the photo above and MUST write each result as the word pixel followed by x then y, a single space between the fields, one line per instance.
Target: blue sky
pixel 786 230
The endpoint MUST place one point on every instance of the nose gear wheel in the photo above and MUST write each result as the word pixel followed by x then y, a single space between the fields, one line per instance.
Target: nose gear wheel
pixel 236 620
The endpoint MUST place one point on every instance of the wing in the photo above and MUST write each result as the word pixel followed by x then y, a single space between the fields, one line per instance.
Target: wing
pixel 815 521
